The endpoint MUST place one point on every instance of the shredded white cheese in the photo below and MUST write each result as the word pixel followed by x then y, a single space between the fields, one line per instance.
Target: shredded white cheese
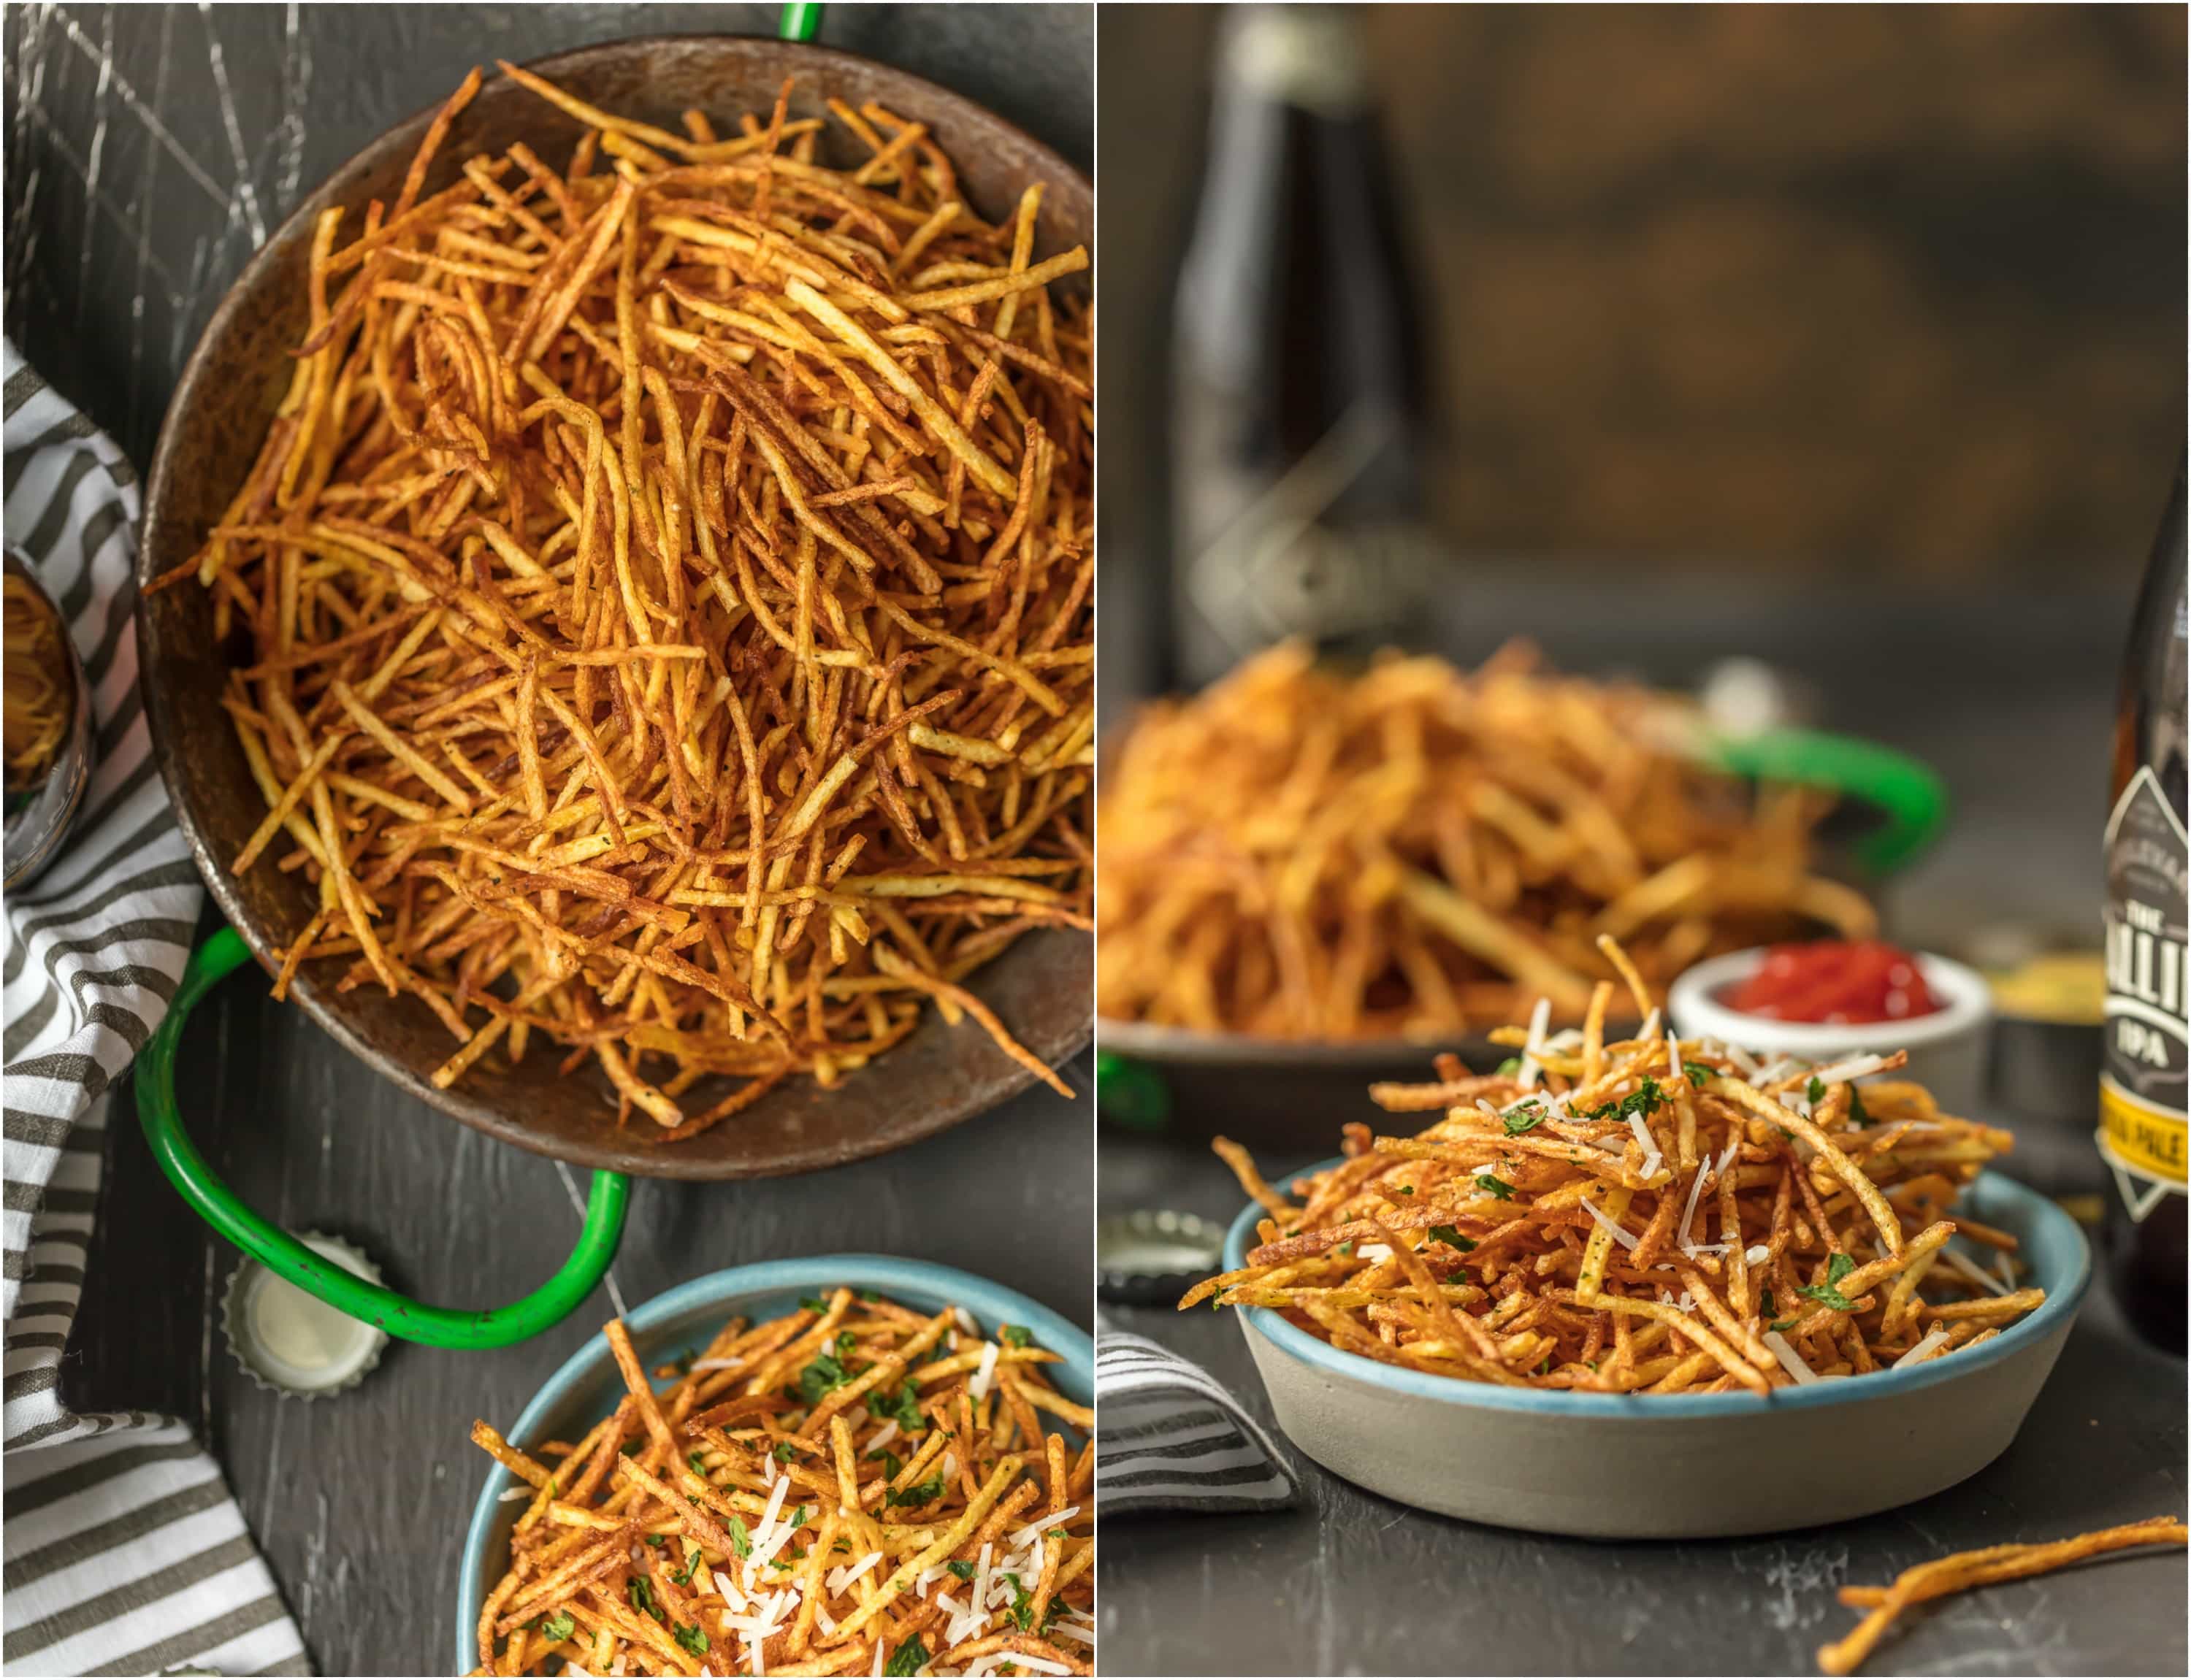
pixel 1540 1018
pixel 1597 1213
pixel 1856 1067
pixel 985 1374
pixel 1790 1360
pixel 1933 1340
pixel 1757 1253
pixel 1964 1267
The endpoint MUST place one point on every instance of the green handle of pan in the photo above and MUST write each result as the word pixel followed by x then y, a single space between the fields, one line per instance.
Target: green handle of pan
pixel 1908 792
pixel 799 21
pixel 398 1314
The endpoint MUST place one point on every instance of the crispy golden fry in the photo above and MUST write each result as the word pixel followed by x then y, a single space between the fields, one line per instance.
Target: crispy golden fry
pixel 1546 1232
pixel 37 691
pixel 1966 1569
pixel 639 549
pixel 1297 853
pixel 747 1518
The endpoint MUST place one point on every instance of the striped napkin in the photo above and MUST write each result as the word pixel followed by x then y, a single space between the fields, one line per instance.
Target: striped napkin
pixel 124 1553
pixel 1169 1436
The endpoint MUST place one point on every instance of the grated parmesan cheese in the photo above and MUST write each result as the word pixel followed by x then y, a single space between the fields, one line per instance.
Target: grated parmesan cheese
pixel 986 1374
pixel 1597 1213
pixel 1790 1360
pixel 1540 1018
pixel 1856 1067
pixel 1933 1340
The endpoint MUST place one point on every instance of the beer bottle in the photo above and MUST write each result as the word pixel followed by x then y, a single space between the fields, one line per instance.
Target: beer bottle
pixel 1299 407
pixel 2141 1078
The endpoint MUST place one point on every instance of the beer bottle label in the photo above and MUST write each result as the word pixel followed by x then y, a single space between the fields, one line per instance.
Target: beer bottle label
pixel 2142 1130
pixel 1291 561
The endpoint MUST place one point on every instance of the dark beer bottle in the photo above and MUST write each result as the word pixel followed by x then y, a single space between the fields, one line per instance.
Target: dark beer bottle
pixel 2143 1055
pixel 1299 406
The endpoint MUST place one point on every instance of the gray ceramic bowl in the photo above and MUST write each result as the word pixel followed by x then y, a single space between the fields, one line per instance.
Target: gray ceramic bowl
pixel 586 1388
pixel 1676 1466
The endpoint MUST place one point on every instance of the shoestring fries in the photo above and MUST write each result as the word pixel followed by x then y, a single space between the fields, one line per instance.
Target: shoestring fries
pixel 1300 853
pixel 1645 1216
pixel 668 589
pixel 1967 1569
pixel 853 1488
pixel 37 693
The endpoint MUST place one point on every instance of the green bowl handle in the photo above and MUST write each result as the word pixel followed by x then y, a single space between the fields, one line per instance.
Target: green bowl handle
pixel 1907 792
pixel 398 1314
pixel 797 21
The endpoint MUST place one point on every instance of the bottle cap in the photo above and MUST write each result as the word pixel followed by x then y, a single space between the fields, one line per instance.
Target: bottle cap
pixel 1154 1255
pixel 293 1342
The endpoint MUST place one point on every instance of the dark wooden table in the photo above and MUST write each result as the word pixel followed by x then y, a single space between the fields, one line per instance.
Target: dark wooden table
pixel 2011 703
pixel 131 137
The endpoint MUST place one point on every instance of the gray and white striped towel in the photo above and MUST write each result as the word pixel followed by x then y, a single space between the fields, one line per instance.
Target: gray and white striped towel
pixel 124 1553
pixel 1169 1436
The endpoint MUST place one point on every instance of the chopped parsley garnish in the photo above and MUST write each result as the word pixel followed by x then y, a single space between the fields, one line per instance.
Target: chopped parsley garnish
pixel 1022 1605
pixel 1509 1068
pixel 904 1408
pixel 1825 1293
pixel 798 1518
pixel 561 1626
pixel 784 1453
pixel 684 1577
pixel 920 1494
pixel 1699 1075
pixel 820 1377
pixel 891 1462
pixel 846 1340
pixel 1013 1335
pixel 908 1658
pixel 813 1303
pixel 1451 1238
pixel 1857 1116
pixel 961 1568
pixel 1405 1190
pixel 1816 1090
pixel 692 1639
pixel 698 1461
pixel 640 1591
pixel 1526 1118
pixel 1646 1099
pixel 869 1294
pixel 741 1540
pixel 1498 1187
pixel 1345 1251
pixel 1765 1302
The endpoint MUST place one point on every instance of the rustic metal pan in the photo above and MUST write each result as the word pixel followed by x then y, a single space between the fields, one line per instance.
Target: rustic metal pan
pixel 1042 986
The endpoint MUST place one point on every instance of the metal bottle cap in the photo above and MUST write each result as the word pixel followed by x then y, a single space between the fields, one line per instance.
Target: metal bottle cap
pixel 1154 1255
pixel 293 1342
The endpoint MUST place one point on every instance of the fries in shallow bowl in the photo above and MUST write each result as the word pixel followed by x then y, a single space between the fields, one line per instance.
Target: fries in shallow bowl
pixel 1596 1294
pixel 854 1464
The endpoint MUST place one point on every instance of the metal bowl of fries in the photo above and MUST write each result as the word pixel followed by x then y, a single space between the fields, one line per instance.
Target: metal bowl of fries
pixel 1678 1466
pixel 673 1326
pixel 245 373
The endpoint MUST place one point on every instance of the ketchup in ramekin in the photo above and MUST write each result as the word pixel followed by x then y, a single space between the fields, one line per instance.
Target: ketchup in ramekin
pixel 1852 981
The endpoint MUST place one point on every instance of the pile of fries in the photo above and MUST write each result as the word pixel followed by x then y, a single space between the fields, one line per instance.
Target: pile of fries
pixel 37 691
pixel 1297 853
pixel 854 1488
pixel 1649 1215
pixel 669 590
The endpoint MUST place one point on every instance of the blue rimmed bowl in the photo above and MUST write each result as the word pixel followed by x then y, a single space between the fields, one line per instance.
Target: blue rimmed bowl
pixel 684 1321
pixel 1678 1466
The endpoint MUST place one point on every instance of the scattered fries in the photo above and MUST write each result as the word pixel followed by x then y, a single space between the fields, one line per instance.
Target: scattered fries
pixel 669 584
pixel 1967 1569
pixel 1649 1216
pixel 854 1488
pixel 37 691
pixel 1299 854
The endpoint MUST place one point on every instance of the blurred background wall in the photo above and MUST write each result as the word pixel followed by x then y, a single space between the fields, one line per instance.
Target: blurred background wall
pixel 1852 337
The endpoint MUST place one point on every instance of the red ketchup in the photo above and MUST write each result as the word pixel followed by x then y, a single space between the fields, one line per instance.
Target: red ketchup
pixel 1833 981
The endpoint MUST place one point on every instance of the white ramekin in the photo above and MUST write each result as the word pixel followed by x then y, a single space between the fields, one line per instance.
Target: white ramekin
pixel 1947 1048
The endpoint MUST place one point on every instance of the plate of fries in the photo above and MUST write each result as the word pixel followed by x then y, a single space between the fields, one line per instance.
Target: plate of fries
pixel 619 616
pixel 1605 1287
pixel 1311 877
pixel 847 1464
